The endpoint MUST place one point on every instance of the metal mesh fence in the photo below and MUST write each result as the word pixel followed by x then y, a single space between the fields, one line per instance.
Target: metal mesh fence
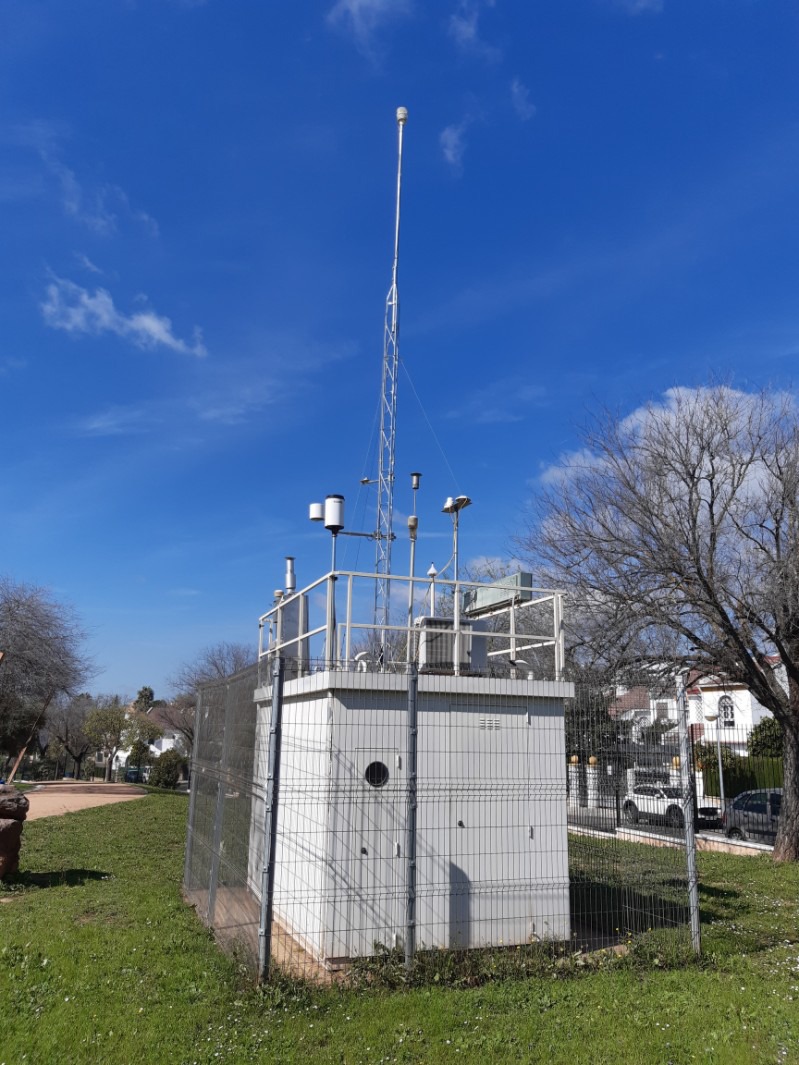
pixel 421 815
pixel 226 799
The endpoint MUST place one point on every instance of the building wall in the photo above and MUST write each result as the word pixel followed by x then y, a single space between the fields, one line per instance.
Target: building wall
pixel 491 831
pixel 302 843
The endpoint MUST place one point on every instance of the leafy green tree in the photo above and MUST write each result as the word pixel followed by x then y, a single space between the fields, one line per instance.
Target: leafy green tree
pixel 166 770
pixel 589 728
pixel 767 739
pixel 706 756
pixel 143 728
pixel 108 727
pixel 140 755
pixel 144 700
pixel 142 731
pixel 654 733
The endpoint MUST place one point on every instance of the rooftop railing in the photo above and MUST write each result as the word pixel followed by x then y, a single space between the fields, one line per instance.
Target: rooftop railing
pixel 501 628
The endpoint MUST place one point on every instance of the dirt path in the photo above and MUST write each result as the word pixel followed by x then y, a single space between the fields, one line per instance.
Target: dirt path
pixel 63 797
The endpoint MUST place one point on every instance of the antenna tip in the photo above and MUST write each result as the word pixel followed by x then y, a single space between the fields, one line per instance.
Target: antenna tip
pixel 402 115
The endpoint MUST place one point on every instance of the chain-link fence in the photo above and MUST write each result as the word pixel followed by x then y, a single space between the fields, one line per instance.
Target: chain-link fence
pixel 342 817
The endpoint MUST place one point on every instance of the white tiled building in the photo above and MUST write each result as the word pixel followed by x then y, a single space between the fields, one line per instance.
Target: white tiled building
pixel 732 707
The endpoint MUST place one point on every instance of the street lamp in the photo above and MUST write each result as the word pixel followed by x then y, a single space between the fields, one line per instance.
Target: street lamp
pixel 713 716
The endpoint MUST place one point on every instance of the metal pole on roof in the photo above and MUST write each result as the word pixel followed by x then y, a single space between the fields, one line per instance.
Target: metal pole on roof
pixel 413 531
pixel 384 533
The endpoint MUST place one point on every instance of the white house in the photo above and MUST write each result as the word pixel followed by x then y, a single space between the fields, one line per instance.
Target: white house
pixel 170 740
pixel 718 709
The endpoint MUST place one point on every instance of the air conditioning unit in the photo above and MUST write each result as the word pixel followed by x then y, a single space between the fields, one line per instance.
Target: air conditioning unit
pixel 437 646
pixel 514 590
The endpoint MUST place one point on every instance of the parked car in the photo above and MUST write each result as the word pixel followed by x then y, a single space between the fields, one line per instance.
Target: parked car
pixel 137 775
pixel 654 802
pixel 754 815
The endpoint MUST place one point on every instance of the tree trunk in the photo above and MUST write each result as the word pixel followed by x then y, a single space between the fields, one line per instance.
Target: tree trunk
pixel 109 768
pixel 786 845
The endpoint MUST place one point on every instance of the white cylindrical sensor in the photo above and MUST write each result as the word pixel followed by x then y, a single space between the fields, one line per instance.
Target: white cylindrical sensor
pixel 316 511
pixel 334 513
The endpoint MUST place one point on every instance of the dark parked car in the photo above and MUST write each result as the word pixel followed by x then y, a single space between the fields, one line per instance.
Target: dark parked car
pixel 754 815
pixel 137 775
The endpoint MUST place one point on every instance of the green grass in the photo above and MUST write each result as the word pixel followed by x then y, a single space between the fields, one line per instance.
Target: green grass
pixel 100 961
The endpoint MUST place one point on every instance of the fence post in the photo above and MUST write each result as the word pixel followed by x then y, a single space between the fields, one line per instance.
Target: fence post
pixel 216 847
pixel 270 824
pixel 689 818
pixel 410 843
pixel 193 784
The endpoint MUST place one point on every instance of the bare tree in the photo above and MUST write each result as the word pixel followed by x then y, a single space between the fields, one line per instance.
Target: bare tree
pixel 215 662
pixel 681 524
pixel 42 641
pixel 178 716
pixel 66 722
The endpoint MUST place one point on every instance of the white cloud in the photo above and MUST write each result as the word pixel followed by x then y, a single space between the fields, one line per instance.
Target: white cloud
pixel 638 7
pixel 504 400
pixel 363 18
pixel 453 143
pixel 74 309
pixel 86 263
pixel 99 207
pixel 464 30
pixel 236 404
pixel 561 472
pixel 677 400
pixel 520 97
pixel 680 405
pixel 120 197
pixel 9 365
pixel 91 210
pixel 115 421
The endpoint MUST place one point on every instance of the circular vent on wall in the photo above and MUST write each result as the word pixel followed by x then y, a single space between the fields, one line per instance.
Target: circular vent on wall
pixel 376 774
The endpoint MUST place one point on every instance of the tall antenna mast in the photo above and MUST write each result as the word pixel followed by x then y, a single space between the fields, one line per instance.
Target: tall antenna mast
pixel 384 533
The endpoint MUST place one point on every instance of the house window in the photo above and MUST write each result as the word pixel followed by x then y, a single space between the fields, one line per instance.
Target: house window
pixel 661 711
pixel 727 711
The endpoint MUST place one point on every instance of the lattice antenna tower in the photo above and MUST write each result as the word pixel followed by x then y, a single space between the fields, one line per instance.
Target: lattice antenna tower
pixel 384 533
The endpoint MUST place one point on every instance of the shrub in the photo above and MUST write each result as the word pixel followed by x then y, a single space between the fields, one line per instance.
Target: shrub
pixel 166 770
pixel 743 774
pixel 767 739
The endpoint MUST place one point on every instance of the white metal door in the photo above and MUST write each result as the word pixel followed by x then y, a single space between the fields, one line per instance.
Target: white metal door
pixel 376 817
pixel 491 863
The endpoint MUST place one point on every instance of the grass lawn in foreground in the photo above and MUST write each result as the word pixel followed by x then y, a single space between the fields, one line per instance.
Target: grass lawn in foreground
pixel 100 961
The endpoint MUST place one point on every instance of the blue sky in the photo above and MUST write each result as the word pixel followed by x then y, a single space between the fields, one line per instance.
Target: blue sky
pixel 599 204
